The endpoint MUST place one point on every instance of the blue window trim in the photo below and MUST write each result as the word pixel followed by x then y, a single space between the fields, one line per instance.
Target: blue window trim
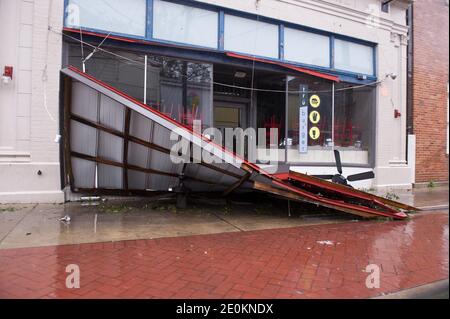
pixel 281 40
pixel 149 19
pixel 332 52
pixel 66 3
pixel 221 37
pixel 222 11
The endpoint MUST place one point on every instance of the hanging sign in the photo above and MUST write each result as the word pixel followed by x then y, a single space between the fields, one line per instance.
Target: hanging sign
pixel 314 101
pixel 314 117
pixel 303 120
pixel 314 133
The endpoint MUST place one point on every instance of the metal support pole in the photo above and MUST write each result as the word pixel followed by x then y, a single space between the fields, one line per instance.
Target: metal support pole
pixel 332 115
pixel 145 80
pixel 289 208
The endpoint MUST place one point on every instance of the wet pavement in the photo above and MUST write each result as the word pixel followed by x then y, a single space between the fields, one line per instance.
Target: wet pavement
pixel 320 261
pixel 218 250
pixel 425 198
pixel 40 225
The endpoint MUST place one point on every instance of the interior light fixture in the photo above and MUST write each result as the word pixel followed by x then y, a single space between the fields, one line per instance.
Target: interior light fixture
pixel 240 74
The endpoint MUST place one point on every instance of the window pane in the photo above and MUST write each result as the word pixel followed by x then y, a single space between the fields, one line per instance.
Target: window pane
pixel 119 16
pixel 180 89
pixel 306 47
pixel 251 37
pixel 354 120
pixel 179 23
pixel 311 142
pixel 271 116
pixel 353 57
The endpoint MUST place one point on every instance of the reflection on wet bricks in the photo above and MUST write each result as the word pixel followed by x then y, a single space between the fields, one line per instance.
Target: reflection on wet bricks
pixel 321 261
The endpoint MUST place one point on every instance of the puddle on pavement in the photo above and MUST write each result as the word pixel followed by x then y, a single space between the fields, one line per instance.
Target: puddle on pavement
pixel 113 220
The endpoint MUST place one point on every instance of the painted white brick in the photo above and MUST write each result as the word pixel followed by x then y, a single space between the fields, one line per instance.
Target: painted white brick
pixel 26 12
pixel 23 104
pixel 25 59
pixel 23 128
pixel 25 36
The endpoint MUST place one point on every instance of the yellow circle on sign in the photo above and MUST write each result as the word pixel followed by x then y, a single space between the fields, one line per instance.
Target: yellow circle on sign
pixel 314 133
pixel 314 117
pixel 314 101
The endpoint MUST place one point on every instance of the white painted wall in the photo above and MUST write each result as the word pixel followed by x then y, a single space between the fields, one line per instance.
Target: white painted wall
pixel 29 104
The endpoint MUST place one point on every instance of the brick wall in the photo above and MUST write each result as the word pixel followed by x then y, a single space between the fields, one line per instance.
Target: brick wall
pixel 430 72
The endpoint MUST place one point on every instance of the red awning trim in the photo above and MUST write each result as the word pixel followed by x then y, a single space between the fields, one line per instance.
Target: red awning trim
pixel 230 54
pixel 286 65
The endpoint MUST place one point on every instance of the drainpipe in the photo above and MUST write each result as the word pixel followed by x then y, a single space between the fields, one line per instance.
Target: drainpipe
pixel 410 149
pixel 410 75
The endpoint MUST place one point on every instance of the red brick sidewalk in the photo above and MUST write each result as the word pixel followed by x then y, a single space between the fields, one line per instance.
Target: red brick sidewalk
pixel 280 263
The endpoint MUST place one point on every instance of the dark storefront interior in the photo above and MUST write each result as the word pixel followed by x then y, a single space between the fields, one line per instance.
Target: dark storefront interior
pixel 220 96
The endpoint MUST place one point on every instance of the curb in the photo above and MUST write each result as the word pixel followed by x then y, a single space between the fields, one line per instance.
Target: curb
pixel 435 290
pixel 435 207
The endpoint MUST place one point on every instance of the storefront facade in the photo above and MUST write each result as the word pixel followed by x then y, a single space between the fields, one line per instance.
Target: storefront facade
pixel 255 64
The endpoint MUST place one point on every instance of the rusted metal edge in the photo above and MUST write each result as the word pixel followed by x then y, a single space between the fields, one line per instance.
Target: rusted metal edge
pixel 303 195
pixel 347 191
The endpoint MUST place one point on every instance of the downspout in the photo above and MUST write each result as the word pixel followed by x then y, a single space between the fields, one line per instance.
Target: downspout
pixel 410 153
pixel 410 74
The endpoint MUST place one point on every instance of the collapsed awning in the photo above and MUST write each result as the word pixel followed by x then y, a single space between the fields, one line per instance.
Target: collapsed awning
pixel 113 141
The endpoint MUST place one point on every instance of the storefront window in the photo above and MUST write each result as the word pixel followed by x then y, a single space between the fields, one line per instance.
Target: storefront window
pixel 180 89
pixel 309 120
pixel 184 24
pixel 306 47
pixel 271 116
pixel 314 117
pixel 127 17
pixel 251 37
pixel 354 123
pixel 353 57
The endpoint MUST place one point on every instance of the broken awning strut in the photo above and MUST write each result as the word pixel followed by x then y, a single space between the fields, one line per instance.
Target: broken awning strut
pixel 292 186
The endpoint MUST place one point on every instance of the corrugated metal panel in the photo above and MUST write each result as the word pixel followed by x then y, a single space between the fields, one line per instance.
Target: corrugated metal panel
pixel 112 114
pixel 83 173
pixel 140 126
pixel 84 101
pixel 110 147
pixel 83 139
pixel 137 180
pixel 110 177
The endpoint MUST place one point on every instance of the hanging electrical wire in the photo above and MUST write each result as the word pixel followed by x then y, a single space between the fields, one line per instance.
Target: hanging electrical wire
pixel 141 64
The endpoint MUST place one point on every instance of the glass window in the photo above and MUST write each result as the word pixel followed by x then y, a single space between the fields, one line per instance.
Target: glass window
pixel 179 23
pixel 251 37
pixel 271 116
pixel 309 120
pixel 127 17
pixel 306 47
pixel 353 57
pixel 180 89
pixel 354 123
